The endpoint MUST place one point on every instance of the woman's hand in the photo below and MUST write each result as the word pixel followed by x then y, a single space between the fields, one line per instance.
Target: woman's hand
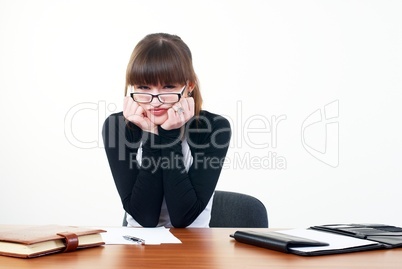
pixel 133 112
pixel 179 114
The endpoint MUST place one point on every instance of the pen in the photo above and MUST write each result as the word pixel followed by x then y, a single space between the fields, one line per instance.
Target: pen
pixel 134 239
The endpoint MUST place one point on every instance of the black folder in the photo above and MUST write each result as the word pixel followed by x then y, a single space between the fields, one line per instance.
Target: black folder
pixel 275 241
pixel 325 239
pixel 387 235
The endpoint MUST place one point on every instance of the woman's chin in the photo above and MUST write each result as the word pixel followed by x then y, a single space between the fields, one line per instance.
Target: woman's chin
pixel 158 120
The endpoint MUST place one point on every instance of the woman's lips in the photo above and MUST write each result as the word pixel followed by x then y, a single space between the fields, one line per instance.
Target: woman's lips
pixel 158 111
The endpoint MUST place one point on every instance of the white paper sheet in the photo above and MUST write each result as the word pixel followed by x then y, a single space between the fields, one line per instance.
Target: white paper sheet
pixel 152 236
pixel 335 241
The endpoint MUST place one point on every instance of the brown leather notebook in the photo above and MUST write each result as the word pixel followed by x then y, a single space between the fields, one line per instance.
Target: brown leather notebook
pixel 35 241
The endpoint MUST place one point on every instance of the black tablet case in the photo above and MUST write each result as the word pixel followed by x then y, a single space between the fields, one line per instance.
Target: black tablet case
pixel 382 236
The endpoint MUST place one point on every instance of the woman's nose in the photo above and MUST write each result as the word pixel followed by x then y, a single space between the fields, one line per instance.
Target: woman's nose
pixel 155 101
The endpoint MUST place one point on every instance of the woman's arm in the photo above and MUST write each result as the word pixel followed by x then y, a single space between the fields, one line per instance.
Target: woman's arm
pixel 140 187
pixel 187 194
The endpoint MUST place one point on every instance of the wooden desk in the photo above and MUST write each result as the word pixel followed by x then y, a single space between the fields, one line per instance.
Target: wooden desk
pixel 202 248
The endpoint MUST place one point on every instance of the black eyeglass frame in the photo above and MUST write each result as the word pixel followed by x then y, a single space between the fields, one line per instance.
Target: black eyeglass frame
pixel 179 95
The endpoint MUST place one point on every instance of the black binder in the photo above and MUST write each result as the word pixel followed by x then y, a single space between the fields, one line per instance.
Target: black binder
pixel 361 237
pixel 387 235
pixel 275 241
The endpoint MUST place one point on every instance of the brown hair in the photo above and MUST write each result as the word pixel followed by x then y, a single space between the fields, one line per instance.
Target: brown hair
pixel 163 59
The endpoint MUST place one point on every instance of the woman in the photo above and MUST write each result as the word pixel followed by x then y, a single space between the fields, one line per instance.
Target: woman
pixel 164 151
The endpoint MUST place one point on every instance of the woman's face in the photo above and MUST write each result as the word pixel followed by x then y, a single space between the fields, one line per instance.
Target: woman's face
pixel 156 110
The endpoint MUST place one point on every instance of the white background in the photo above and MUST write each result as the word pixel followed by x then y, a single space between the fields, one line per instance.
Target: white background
pixel 62 71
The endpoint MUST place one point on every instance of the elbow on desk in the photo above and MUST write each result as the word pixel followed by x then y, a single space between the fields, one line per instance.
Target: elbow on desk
pixel 180 219
pixel 145 220
pixel 148 223
pixel 181 222
pixel 152 222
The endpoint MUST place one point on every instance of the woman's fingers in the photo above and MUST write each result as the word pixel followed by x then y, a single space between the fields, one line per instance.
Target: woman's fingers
pixel 135 113
pixel 179 114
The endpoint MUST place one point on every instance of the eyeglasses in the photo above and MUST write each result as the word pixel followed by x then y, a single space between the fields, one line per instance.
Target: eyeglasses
pixel 164 98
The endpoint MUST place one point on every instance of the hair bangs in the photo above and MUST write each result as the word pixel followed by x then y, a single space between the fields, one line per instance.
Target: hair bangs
pixel 161 64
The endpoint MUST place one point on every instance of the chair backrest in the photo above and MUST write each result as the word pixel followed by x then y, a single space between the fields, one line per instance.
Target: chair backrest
pixel 232 209
pixel 235 210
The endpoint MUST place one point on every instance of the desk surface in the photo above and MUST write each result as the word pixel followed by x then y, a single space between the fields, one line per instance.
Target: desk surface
pixel 202 248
